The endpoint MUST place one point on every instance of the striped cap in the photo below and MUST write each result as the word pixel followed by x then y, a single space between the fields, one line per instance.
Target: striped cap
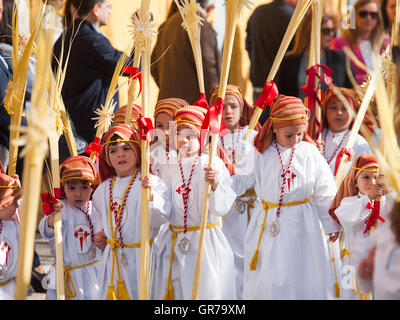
pixel 125 134
pixel 192 117
pixel 169 106
pixel 78 168
pixel 285 111
pixel 119 115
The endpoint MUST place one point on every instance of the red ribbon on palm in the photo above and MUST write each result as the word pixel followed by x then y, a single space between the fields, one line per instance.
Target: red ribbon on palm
pixel 48 200
pixel 267 95
pixel 145 126
pixel 134 73
pixel 94 147
pixel 371 221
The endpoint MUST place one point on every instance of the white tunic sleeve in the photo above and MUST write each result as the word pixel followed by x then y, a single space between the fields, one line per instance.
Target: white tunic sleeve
pixel 160 207
pixel 324 192
pixel 97 203
pixel 222 199
pixel 246 176
pixel 353 211
pixel 45 231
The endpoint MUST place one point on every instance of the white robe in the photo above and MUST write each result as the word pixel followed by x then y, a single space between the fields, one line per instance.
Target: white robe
pixel 234 224
pixel 217 277
pixel 131 229
pixel 159 156
pixel 352 214
pixel 77 245
pixel 9 238
pixel 385 284
pixel 293 265
pixel 332 141
pixel 332 150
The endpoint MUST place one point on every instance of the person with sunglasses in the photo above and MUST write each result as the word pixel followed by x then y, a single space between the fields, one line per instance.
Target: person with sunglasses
pixel 367 39
pixel 291 75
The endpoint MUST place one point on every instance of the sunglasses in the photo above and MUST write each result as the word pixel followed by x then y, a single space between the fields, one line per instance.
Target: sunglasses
pixel 328 31
pixel 364 14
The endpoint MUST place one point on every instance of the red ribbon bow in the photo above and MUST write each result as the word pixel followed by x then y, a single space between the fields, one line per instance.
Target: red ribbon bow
pixel 94 147
pixel 311 92
pixel 371 221
pixel 48 201
pixel 342 152
pixel 133 74
pixel 145 126
pixel 202 101
pixel 267 95
pixel 211 119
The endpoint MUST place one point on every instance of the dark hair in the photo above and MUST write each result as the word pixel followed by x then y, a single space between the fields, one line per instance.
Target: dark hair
pixel 6 22
pixel 204 3
pixel 386 23
pixel 85 6
pixel 68 19
pixel 303 35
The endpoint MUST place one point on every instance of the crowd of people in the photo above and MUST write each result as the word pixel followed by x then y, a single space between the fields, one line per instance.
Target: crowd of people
pixel 278 226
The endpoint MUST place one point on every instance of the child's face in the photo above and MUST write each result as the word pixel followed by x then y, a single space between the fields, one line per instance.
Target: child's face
pixel 365 181
pixel 338 117
pixel 231 112
pixel 162 123
pixel 188 142
pixel 78 193
pixel 9 213
pixel 122 158
pixel 288 137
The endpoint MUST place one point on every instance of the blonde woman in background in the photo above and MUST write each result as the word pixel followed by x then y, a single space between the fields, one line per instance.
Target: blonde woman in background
pixel 366 39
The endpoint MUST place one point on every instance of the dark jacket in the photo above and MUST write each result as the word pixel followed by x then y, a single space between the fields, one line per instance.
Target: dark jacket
pixel 5 75
pixel 173 66
pixel 91 66
pixel 287 76
pixel 265 30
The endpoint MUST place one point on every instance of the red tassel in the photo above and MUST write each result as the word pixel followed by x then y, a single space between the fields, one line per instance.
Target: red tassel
pixel 342 152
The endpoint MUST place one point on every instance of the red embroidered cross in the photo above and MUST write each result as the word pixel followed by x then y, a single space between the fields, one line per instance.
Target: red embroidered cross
pixel 6 249
pixel 82 235
pixel 182 190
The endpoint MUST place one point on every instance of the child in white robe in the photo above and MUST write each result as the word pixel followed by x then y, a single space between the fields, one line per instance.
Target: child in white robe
pixel 177 246
pixel 360 204
pixel 78 176
pixel 379 269
pixel 117 205
pixel 237 114
pixel 162 147
pixel 284 251
pixel 336 127
pixel 10 193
